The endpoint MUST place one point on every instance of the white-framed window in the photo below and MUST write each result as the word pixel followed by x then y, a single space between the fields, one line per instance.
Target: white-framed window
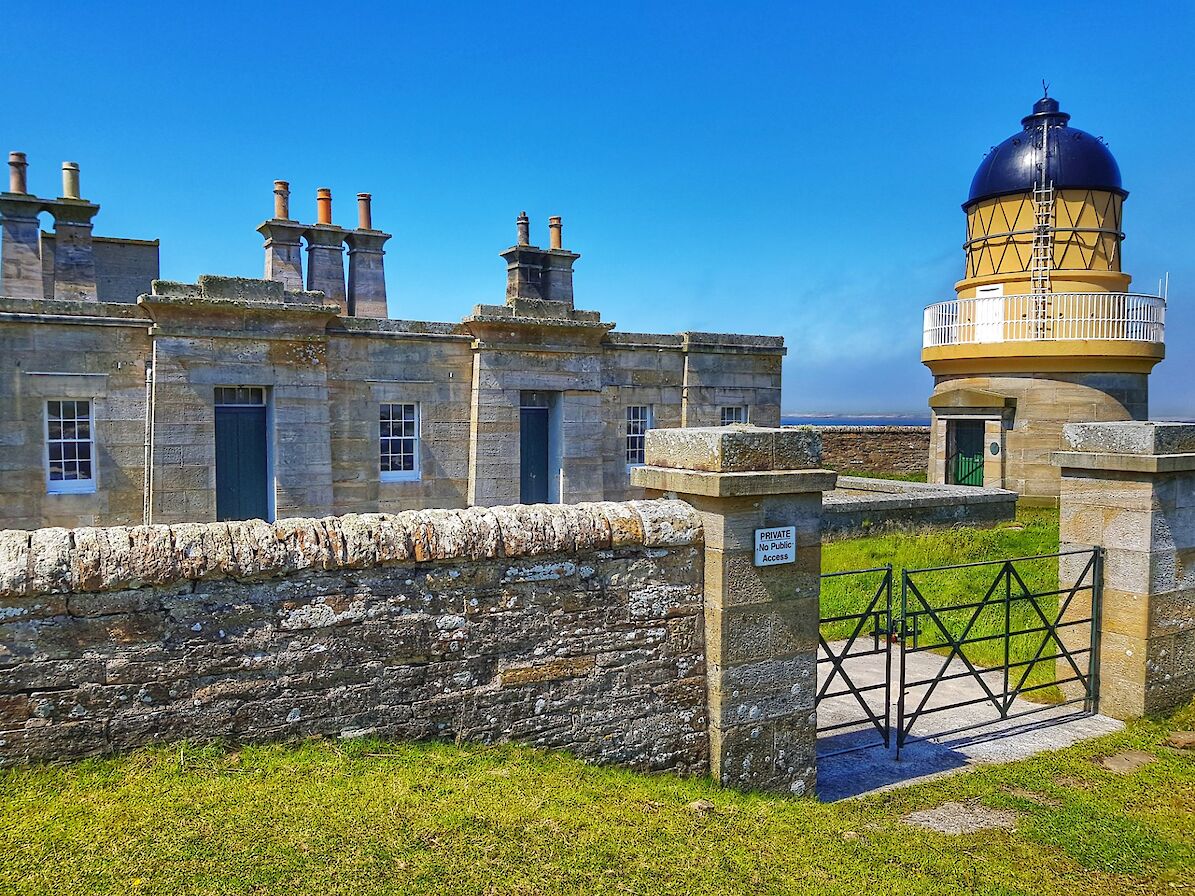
pixel 734 414
pixel 639 421
pixel 399 441
pixel 70 447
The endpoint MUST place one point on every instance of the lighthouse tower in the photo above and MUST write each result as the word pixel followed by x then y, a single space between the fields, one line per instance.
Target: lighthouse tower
pixel 1044 330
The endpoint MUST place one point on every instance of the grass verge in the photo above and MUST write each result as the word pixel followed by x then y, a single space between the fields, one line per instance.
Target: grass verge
pixel 372 818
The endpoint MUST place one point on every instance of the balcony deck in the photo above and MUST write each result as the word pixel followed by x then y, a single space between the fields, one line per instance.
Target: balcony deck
pixel 1048 317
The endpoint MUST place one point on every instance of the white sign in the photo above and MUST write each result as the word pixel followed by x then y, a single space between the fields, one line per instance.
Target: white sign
pixel 775 546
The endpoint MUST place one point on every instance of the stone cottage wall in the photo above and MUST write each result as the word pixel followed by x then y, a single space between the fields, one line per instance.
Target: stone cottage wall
pixel 575 627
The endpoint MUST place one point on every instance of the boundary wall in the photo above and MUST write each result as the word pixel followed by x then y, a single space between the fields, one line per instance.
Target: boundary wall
pixel 576 627
pixel 875 449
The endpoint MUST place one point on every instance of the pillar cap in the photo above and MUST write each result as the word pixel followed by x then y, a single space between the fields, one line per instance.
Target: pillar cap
pixel 1131 437
pixel 1128 447
pixel 734 449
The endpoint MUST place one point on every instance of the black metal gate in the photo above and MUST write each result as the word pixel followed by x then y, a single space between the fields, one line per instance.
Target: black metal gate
pixel 957 648
pixel 856 698
pixel 999 641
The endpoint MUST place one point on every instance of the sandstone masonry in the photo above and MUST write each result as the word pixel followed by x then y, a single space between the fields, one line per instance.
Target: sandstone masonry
pixel 574 627
pixel 1130 489
pixel 533 400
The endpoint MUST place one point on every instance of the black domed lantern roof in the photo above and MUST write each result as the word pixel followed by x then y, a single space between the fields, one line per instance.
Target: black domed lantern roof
pixel 1073 158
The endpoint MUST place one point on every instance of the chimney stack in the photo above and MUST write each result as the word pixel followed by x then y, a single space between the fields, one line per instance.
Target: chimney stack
pixel 524 264
pixel 367 276
pixel 70 180
pixel 74 258
pixel 364 216
pixel 16 173
pixel 20 235
pixel 558 266
pixel 323 206
pixel 281 200
pixel 325 252
pixel 284 252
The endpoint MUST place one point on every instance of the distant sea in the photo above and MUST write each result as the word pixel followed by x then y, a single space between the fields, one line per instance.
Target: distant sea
pixel 854 421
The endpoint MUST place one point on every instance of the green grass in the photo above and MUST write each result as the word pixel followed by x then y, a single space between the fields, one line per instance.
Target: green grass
pixel 1034 533
pixel 432 818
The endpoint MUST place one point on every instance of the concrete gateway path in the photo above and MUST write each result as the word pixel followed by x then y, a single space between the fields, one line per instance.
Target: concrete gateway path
pixel 841 775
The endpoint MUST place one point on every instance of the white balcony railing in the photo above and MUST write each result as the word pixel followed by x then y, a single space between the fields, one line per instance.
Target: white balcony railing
pixel 1048 317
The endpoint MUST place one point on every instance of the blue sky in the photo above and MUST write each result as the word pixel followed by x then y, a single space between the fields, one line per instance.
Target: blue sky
pixel 762 168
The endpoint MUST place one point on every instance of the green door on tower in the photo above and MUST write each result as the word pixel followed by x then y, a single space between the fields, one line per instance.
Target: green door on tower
pixel 965 463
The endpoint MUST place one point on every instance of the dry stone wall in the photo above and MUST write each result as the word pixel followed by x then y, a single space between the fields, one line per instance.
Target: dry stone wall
pixel 576 627
pixel 875 449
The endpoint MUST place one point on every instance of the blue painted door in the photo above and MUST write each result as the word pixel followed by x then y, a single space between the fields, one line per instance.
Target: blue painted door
pixel 242 486
pixel 533 455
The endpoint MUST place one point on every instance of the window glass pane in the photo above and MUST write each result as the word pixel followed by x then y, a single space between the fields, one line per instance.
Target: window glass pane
pixel 637 423
pixel 68 442
pixel 736 414
pixel 398 427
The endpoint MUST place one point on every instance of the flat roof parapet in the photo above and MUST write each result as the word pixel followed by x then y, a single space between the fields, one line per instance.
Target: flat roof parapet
pixel 733 342
pixel 243 291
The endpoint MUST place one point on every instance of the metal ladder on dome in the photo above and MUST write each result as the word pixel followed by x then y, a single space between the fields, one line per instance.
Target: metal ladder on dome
pixel 1042 261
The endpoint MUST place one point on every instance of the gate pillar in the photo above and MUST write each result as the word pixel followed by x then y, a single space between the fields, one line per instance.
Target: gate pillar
pixel 1130 489
pixel 761 622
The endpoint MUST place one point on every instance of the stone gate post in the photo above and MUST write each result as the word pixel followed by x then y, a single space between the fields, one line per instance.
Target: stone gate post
pixel 1130 488
pixel 761 622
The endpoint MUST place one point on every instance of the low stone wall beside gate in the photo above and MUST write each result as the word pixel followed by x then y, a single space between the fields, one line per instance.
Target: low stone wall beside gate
pixel 859 505
pixel 576 627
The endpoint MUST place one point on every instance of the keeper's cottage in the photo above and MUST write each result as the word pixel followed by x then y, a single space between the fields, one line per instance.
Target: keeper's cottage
pixel 127 399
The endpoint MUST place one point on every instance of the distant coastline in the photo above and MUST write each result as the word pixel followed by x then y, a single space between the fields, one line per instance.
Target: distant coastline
pixel 893 420
pixel 853 420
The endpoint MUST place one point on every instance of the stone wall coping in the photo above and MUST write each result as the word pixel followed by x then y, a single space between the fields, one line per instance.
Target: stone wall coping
pixel 910 429
pixel 61 309
pixel 1124 463
pixel 385 326
pixel 628 339
pixel 701 341
pixel 892 494
pixel 733 485
pixel 93 559
pixel 1142 437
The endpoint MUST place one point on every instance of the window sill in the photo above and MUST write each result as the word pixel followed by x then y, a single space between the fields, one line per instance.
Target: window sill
pixel 88 489
pixel 399 477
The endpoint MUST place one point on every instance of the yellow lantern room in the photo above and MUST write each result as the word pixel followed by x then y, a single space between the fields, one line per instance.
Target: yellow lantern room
pixel 1043 330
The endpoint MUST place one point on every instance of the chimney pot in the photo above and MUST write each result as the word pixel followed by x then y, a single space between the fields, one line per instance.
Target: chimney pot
pixel 282 200
pixel 554 226
pixel 16 172
pixel 70 180
pixel 364 216
pixel 323 206
pixel 524 227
